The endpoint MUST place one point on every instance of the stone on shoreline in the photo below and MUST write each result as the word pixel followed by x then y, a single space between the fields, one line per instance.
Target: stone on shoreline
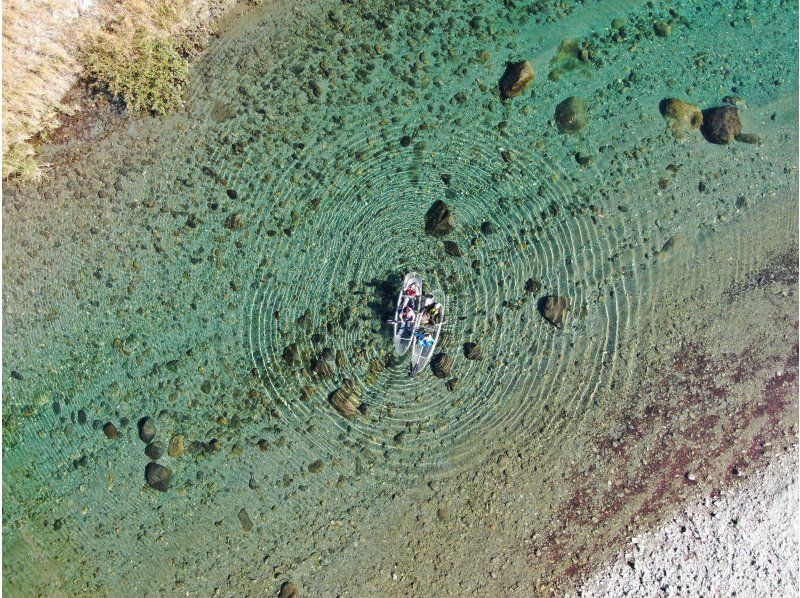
pixel 516 79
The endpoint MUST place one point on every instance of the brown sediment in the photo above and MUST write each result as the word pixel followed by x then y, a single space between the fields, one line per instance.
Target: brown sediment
pixel 782 270
pixel 653 461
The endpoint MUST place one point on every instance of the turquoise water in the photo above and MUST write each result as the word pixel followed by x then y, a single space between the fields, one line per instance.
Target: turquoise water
pixel 165 266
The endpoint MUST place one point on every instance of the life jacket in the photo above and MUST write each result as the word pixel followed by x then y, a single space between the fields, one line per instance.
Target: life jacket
pixel 411 292
pixel 408 315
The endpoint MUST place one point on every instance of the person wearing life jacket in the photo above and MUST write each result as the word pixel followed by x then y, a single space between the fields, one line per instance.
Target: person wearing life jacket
pixel 424 340
pixel 407 315
pixel 431 314
pixel 412 290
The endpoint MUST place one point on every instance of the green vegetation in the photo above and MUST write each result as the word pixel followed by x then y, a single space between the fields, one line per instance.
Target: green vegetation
pixel 19 163
pixel 149 74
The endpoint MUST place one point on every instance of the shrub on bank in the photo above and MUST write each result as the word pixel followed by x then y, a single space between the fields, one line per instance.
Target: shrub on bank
pixel 146 71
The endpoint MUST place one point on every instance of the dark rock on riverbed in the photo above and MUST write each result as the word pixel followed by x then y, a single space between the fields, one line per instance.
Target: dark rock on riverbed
pixel 176 446
pixel 244 519
pixel 681 116
pixel 452 384
pixel 321 369
pixel 452 248
pixel 472 351
pixel 154 450
pixel 721 125
pixel 554 309
pixel 346 399
pixel 532 286
pixel 516 79
pixel 439 220
pixel 291 354
pixel 110 430
pixel 441 365
pixel 571 115
pixel 158 476
pixel 289 590
pixel 147 429
pixel 747 138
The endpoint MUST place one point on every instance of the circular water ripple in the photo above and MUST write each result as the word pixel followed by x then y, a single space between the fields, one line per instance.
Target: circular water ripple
pixel 331 281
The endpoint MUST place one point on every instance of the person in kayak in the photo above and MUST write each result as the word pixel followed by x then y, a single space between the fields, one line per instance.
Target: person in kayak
pixel 412 290
pixel 431 314
pixel 410 294
pixel 408 314
pixel 425 340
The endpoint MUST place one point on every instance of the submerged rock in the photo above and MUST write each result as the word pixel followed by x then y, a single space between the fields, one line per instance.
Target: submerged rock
pixel 441 365
pixel 452 384
pixel 289 590
pixel 321 369
pixel 571 115
pixel 681 116
pixel 532 286
pixel 158 476
pixel 452 248
pixel 110 430
pixel 662 28
pixel 147 429
pixel 154 450
pixel 176 446
pixel 291 354
pixel 516 79
pixel 747 138
pixel 554 309
pixel 244 519
pixel 439 219
pixel 721 125
pixel 346 399
pixel 472 351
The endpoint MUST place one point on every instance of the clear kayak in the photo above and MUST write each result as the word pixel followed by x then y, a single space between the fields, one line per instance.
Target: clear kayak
pixel 429 327
pixel 404 329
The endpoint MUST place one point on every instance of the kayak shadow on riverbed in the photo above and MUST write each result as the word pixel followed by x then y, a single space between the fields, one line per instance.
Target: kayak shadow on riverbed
pixel 384 297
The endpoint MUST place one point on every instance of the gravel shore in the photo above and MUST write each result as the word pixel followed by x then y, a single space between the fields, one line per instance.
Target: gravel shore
pixel 742 543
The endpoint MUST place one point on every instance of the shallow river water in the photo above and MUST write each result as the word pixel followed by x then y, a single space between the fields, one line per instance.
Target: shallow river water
pixel 193 269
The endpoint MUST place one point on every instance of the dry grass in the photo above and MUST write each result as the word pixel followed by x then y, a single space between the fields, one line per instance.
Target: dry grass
pixel 133 49
pixel 39 67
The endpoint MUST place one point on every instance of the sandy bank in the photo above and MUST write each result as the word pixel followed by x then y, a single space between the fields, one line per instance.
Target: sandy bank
pixel 742 543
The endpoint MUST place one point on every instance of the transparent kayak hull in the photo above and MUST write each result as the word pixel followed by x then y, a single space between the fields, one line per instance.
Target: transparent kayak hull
pixel 404 331
pixel 421 355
